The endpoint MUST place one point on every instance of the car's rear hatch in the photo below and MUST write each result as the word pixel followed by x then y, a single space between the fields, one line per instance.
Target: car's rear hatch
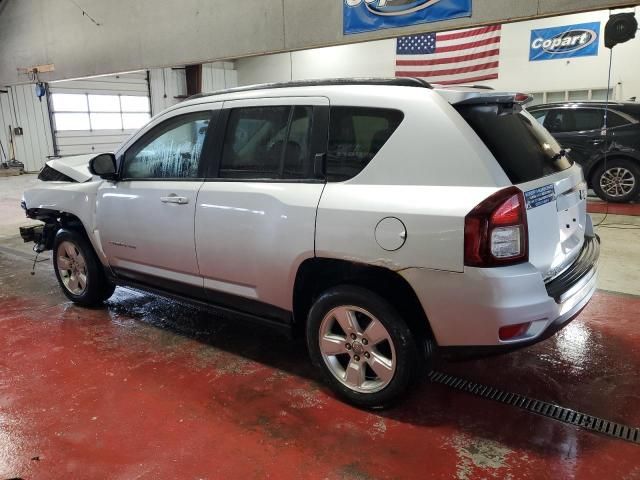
pixel 554 188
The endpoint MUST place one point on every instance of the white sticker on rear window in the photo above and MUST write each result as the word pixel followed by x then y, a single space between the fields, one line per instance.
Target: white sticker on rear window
pixel 540 196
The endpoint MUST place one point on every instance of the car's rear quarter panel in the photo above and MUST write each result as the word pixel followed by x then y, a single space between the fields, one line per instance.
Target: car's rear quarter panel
pixel 433 217
pixel 433 170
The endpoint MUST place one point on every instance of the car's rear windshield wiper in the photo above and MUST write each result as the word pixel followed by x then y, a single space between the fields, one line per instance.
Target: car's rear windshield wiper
pixel 562 153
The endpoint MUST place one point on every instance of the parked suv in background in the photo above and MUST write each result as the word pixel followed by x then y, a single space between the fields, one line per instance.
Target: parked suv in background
pixel 580 128
pixel 378 218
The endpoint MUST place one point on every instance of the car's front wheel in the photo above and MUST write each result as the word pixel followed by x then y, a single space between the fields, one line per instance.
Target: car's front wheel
pixel 618 182
pixel 363 346
pixel 79 270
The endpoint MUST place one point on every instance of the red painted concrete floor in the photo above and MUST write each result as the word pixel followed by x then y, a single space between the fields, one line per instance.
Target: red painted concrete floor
pixel 598 206
pixel 150 389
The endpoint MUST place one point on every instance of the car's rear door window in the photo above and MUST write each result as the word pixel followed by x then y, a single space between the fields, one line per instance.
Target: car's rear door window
pixel 524 149
pixel 562 120
pixel 588 119
pixel 356 134
pixel 269 142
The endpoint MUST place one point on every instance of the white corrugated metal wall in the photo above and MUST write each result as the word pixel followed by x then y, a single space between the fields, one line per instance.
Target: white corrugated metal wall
pixel 169 85
pixel 20 108
pixel 218 76
pixel 77 142
pixel 5 123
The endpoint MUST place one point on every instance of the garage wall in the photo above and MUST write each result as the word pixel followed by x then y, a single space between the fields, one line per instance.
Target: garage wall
pixel 218 76
pixel 5 122
pixel 516 72
pixel 92 37
pixel 21 108
pixel 169 85
pixel 77 142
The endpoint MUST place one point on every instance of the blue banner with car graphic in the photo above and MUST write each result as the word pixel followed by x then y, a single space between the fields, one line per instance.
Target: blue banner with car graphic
pixel 368 15
pixel 580 40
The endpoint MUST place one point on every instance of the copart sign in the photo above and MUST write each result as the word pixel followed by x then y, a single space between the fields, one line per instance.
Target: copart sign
pixel 368 15
pixel 565 42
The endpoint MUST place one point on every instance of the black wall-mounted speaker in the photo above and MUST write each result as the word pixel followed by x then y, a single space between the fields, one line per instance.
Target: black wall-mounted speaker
pixel 620 28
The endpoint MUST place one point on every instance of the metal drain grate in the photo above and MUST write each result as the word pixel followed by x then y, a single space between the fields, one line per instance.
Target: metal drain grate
pixel 549 410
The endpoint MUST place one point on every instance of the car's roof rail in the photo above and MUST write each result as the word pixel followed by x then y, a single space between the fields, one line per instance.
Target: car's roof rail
pixel 480 87
pixel 398 82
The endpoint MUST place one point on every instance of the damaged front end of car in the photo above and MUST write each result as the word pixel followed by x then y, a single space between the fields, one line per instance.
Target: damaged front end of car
pixel 62 200
pixel 69 169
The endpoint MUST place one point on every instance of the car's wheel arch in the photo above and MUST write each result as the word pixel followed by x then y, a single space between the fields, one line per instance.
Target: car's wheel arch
pixel 316 275
pixel 63 220
pixel 617 155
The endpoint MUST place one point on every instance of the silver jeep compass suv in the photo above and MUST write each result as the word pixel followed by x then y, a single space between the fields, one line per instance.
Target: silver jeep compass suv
pixel 380 218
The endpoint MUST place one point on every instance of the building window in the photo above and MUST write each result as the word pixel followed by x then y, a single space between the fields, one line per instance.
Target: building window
pixel 89 112
pixel 599 94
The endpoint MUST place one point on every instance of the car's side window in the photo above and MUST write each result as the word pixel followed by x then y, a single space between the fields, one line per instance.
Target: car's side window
pixel 540 115
pixel 574 120
pixel 588 119
pixel 267 143
pixel 356 134
pixel 297 162
pixel 560 120
pixel 172 150
pixel 614 120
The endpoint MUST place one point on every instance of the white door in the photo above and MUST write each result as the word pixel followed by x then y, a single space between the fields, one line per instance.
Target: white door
pixel 255 222
pixel 98 114
pixel 146 219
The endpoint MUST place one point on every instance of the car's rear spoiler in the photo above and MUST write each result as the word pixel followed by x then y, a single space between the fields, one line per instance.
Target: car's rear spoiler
pixel 511 98
pixel 475 96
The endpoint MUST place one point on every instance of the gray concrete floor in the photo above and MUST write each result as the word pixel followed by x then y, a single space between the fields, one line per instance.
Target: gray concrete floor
pixel 11 215
pixel 620 234
pixel 620 254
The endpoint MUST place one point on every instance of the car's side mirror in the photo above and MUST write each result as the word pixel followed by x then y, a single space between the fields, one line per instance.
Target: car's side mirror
pixel 104 165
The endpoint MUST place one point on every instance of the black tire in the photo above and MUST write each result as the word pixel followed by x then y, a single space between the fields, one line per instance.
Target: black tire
pixel 97 287
pixel 617 163
pixel 408 362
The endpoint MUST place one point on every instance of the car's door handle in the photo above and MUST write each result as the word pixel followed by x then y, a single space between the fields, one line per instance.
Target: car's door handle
pixel 175 199
pixel 597 142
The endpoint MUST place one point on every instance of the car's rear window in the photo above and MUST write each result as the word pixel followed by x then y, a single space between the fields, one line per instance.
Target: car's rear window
pixel 524 149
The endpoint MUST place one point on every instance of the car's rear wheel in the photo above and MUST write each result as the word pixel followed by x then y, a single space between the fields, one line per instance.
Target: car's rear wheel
pixel 618 182
pixel 363 346
pixel 78 269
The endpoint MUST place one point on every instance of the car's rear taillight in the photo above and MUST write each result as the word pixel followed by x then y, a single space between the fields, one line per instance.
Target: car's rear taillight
pixel 495 232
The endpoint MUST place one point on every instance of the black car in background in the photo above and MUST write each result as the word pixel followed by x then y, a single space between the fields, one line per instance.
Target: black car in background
pixel 580 127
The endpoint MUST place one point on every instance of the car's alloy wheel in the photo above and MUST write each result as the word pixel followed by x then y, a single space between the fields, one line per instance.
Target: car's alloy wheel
pixel 357 349
pixel 72 267
pixel 363 346
pixel 78 269
pixel 619 182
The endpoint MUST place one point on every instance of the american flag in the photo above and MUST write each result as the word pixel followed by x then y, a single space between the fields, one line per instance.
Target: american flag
pixel 447 58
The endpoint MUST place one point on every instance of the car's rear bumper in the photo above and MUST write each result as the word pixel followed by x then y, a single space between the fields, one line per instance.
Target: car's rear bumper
pixel 468 309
